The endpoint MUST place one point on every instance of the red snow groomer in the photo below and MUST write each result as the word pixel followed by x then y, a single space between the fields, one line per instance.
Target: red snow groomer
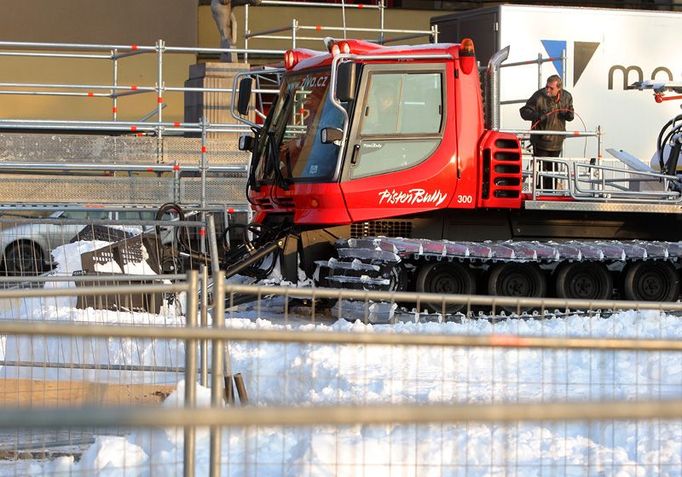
pixel 377 167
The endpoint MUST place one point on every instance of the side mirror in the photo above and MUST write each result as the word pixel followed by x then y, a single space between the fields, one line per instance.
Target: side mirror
pixel 330 135
pixel 246 143
pixel 346 79
pixel 244 95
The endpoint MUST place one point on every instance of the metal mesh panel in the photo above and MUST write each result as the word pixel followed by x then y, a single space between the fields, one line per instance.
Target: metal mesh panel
pixel 220 190
pixel 223 150
pixel 90 149
pixel 118 190
pixel 65 148
pixel 106 190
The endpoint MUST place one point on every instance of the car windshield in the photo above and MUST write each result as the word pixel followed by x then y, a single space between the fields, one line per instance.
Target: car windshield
pixel 290 147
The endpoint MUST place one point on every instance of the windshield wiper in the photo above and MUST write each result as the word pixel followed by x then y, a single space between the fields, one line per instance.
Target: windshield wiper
pixel 275 138
pixel 272 154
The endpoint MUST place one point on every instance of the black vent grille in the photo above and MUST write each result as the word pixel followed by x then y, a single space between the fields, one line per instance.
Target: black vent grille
pixel 286 202
pixel 270 204
pixel 385 228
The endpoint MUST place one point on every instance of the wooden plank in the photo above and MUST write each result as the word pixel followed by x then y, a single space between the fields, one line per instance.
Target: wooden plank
pixel 35 393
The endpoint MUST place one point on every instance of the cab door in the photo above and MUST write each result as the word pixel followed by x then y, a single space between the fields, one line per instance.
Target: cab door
pixel 398 160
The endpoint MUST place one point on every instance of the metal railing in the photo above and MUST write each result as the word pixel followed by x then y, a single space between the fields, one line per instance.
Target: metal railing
pixel 294 37
pixel 116 54
pixel 539 62
pixel 585 180
pixel 115 90
pixel 145 162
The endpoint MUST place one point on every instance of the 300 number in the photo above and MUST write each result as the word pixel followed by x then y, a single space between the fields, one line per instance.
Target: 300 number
pixel 465 199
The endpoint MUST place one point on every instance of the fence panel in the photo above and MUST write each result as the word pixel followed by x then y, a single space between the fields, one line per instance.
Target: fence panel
pixel 571 394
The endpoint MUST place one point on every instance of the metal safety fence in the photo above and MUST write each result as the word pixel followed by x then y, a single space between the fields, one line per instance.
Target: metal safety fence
pixel 306 381
pixel 122 160
pixel 157 88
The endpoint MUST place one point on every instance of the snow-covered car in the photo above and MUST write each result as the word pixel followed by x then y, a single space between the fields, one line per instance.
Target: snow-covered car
pixel 26 247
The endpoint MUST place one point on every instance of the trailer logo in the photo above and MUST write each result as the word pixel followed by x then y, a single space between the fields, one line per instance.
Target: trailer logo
pixel 619 76
pixel 583 51
pixel 412 197
pixel 638 74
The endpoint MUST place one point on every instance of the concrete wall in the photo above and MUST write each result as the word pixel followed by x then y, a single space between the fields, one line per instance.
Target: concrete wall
pixel 100 21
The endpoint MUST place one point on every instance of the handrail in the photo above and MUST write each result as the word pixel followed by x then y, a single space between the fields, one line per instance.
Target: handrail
pixel 122 126
pixel 290 3
pixel 27 166
pixel 295 27
pixel 573 174
pixel 115 54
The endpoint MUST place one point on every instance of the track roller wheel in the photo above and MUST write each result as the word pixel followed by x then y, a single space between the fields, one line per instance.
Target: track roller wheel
pixel 445 278
pixel 516 279
pixel 587 281
pixel 398 279
pixel 651 281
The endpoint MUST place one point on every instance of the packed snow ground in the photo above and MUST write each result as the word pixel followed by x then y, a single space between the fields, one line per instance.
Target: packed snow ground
pixel 278 374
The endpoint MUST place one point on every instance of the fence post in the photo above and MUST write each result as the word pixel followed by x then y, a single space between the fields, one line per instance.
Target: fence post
pixel 563 68
pixel 204 169
pixel 217 369
pixel 294 27
pixel 176 182
pixel 213 246
pixel 114 91
pixel 539 70
pixel 246 33
pixel 190 372
pixel 381 22
pixel 203 347
pixel 160 47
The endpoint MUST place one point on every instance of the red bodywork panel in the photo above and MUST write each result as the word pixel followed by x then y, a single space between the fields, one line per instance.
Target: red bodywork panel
pixel 309 203
pixel 450 177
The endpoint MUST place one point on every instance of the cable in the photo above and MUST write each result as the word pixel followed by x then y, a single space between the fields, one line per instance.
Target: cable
pixel 661 142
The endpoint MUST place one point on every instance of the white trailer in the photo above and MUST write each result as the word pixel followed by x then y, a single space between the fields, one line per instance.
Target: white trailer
pixel 603 51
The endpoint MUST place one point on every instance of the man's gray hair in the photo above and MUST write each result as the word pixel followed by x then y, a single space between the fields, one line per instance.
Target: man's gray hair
pixel 556 79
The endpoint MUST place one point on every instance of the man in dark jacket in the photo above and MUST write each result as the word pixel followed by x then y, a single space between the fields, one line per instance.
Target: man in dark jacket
pixel 549 108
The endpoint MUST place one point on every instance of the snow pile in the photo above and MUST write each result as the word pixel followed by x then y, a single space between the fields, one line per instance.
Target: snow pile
pixel 325 374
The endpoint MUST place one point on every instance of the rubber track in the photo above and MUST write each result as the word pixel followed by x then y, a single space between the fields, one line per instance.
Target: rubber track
pixel 369 262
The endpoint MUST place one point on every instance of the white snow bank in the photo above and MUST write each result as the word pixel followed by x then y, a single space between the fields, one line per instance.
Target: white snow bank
pixel 326 374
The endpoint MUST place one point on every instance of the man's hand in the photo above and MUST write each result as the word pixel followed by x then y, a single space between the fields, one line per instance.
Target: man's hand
pixel 529 114
pixel 566 115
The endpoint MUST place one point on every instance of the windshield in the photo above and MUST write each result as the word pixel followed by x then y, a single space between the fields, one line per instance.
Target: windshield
pixel 289 148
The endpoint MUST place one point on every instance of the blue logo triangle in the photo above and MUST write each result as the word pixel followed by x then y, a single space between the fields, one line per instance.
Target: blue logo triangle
pixel 555 48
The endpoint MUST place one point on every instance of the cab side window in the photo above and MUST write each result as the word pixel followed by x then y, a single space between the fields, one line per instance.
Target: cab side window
pixel 400 123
